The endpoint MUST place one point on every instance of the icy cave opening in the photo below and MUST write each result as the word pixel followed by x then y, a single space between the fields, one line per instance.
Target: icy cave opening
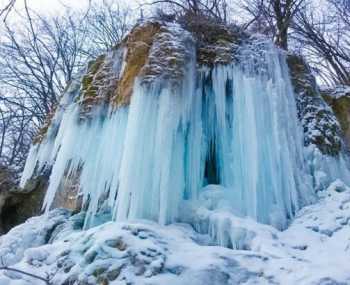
pixel 211 175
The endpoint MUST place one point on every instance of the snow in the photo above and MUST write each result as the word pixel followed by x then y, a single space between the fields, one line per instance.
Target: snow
pixel 172 48
pixel 319 121
pixel 30 234
pixel 314 249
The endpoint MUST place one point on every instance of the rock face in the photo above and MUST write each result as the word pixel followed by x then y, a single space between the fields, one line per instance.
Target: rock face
pixel 339 100
pixel 17 205
pixel 215 43
pixel 150 50
pixel 321 127
pixel 68 195
pixel 341 108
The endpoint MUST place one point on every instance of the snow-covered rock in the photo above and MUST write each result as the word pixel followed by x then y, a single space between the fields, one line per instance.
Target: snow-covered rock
pixel 34 232
pixel 338 98
pixel 321 127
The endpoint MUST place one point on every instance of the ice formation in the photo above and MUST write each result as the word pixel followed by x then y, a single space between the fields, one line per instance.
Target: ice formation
pixel 233 125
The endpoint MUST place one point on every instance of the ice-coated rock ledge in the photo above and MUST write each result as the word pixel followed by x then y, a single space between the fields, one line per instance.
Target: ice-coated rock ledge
pixel 315 249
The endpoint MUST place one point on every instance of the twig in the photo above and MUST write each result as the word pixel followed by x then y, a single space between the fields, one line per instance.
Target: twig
pixel 25 273
pixel 4 12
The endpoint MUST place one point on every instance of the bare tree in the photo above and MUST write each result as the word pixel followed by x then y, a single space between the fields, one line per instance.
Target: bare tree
pixel 7 9
pixel 107 24
pixel 274 17
pixel 325 40
pixel 215 9
pixel 16 131
pixel 342 8
pixel 39 56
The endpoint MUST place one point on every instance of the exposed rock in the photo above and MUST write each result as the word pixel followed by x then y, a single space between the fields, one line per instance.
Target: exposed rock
pixel 138 44
pixel 340 104
pixel 6 183
pixel 99 83
pixel 17 204
pixel 170 52
pixel 216 43
pixel 43 130
pixel 222 51
pixel 321 127
pixel 20 204
pixel 67 197
pixel 153 49
pixel 7 178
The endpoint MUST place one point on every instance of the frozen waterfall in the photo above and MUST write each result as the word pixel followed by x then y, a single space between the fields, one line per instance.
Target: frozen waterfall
pixel 232 125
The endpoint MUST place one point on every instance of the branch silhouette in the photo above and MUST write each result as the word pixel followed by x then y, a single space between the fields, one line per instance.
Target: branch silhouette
pixel 4 267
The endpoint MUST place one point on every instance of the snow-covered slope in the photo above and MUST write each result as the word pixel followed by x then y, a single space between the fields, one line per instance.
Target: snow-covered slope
pixel 315 249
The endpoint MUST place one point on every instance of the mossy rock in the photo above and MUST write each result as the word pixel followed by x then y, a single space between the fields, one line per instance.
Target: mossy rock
pixel 216 43
pixel 39 137
pixel 95 65
pixel 138 44
pixel 341 109
pixel 89 82
pixel 302 79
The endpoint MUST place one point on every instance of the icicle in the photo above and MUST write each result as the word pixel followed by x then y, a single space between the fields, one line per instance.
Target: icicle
pixel 30 165
pixel 152 169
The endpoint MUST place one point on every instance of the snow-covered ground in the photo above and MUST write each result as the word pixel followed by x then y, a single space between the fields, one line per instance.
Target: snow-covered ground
pixel 315 249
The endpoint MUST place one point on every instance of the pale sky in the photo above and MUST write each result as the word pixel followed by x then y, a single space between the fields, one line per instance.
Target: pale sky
pixel 55 6
pixel 47 6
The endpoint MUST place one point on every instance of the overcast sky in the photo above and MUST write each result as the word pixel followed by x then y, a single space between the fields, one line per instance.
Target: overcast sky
pixel 48 6
pixel 57 6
